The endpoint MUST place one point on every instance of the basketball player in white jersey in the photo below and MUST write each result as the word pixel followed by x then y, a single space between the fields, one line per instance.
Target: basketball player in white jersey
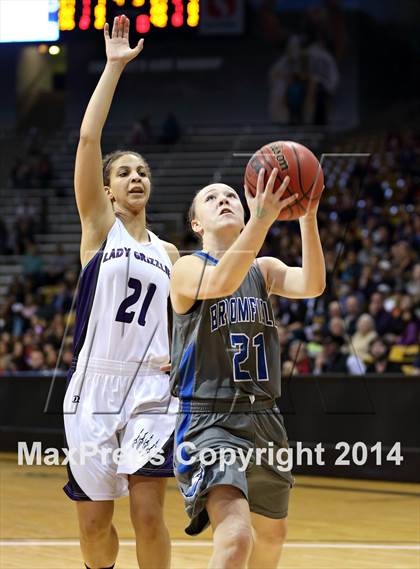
pixel 118 397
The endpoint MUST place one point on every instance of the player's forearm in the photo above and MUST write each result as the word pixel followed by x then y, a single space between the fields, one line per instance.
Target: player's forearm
pixel 100 102
pixel 313 263
pixel 236 262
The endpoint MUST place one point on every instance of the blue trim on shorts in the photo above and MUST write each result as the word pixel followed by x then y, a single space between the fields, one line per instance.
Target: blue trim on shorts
pixel 186 373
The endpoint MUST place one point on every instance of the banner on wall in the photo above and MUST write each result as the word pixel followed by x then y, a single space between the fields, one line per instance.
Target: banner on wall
pixel 222 17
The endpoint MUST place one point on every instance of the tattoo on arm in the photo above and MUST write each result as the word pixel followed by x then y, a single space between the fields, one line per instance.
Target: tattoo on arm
pixel 261 212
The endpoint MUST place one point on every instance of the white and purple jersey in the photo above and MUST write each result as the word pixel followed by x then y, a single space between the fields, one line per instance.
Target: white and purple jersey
pixel 117 398
pixel 122 300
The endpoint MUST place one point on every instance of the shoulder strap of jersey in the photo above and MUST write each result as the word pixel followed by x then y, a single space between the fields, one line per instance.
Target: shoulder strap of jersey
pixel 208 258
pixel 158 243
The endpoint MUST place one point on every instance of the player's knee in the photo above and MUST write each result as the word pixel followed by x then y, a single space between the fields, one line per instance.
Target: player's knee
pixel 94 529
pixel 244 538
pixel 240 548
pixel 273 536
pixel 238 541
pixel 147 523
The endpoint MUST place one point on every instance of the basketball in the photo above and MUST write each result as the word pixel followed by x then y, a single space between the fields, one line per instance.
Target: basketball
pixel 293 160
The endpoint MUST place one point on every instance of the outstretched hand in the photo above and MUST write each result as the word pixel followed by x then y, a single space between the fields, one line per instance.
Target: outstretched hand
pixel 117 45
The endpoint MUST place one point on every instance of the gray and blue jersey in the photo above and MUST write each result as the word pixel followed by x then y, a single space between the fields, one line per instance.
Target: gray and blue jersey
pixel 227 348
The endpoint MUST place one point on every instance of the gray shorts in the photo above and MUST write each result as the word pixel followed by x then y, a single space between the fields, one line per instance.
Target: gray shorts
pixel 212 446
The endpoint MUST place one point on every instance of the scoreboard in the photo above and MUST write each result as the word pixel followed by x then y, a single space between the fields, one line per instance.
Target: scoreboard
pixel 28 20
pixel 144 14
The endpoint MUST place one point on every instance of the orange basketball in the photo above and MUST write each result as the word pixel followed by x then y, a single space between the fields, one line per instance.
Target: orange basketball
pixel 293 160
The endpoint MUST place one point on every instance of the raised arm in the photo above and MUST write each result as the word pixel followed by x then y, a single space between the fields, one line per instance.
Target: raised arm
pixel 307 281
pixel 192 279
pixel 94 206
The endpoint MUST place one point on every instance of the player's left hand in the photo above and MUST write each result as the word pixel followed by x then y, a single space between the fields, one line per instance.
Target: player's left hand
pixel 166 367
pixel 117 45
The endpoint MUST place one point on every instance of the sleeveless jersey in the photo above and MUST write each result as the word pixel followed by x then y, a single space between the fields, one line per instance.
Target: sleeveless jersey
pixel 121 311
pixel 228 347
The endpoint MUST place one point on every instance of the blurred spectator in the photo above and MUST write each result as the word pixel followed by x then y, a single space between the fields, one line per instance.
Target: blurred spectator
pixel 30 306
pixel 352 268
pixel 362 338
pixel 32 262
pixel 5 356
pixel 55 331
pixel 24 230
pixel 384 322
pixel 334 310
pixel 366 283
pixel 141 132
pixel 332 360
pixel 284 339
pixel 50 356
pixel 62 300
pixel 337 328
pixel 66 359
pixel 323 80
pixel 402 258
pixel 410 324
pixel 379 354
pixel 413 285
pixel 288 82
pixel 314 346
pixel 18 360
pixel 298 360
pixel 37 360
pixel 352 313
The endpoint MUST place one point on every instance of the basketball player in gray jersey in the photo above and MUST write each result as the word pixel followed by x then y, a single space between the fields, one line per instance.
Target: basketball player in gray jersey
pixel 226 371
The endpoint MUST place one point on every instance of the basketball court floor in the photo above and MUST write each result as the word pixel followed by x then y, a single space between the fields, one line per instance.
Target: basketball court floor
pixel 333 523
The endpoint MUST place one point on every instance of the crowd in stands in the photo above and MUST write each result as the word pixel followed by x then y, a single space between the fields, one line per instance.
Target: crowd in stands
pixel 34 317
pixel 31 169
pixel 367 320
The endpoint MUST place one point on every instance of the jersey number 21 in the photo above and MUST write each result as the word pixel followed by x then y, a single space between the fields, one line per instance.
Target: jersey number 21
pixel 127 316
pixel 241 343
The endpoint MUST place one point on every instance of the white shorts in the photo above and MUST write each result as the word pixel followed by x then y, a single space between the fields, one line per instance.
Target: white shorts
pixel 117 419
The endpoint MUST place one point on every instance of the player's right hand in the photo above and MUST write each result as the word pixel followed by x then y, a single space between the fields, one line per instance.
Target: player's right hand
pixel 117 46
pixel 267 203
